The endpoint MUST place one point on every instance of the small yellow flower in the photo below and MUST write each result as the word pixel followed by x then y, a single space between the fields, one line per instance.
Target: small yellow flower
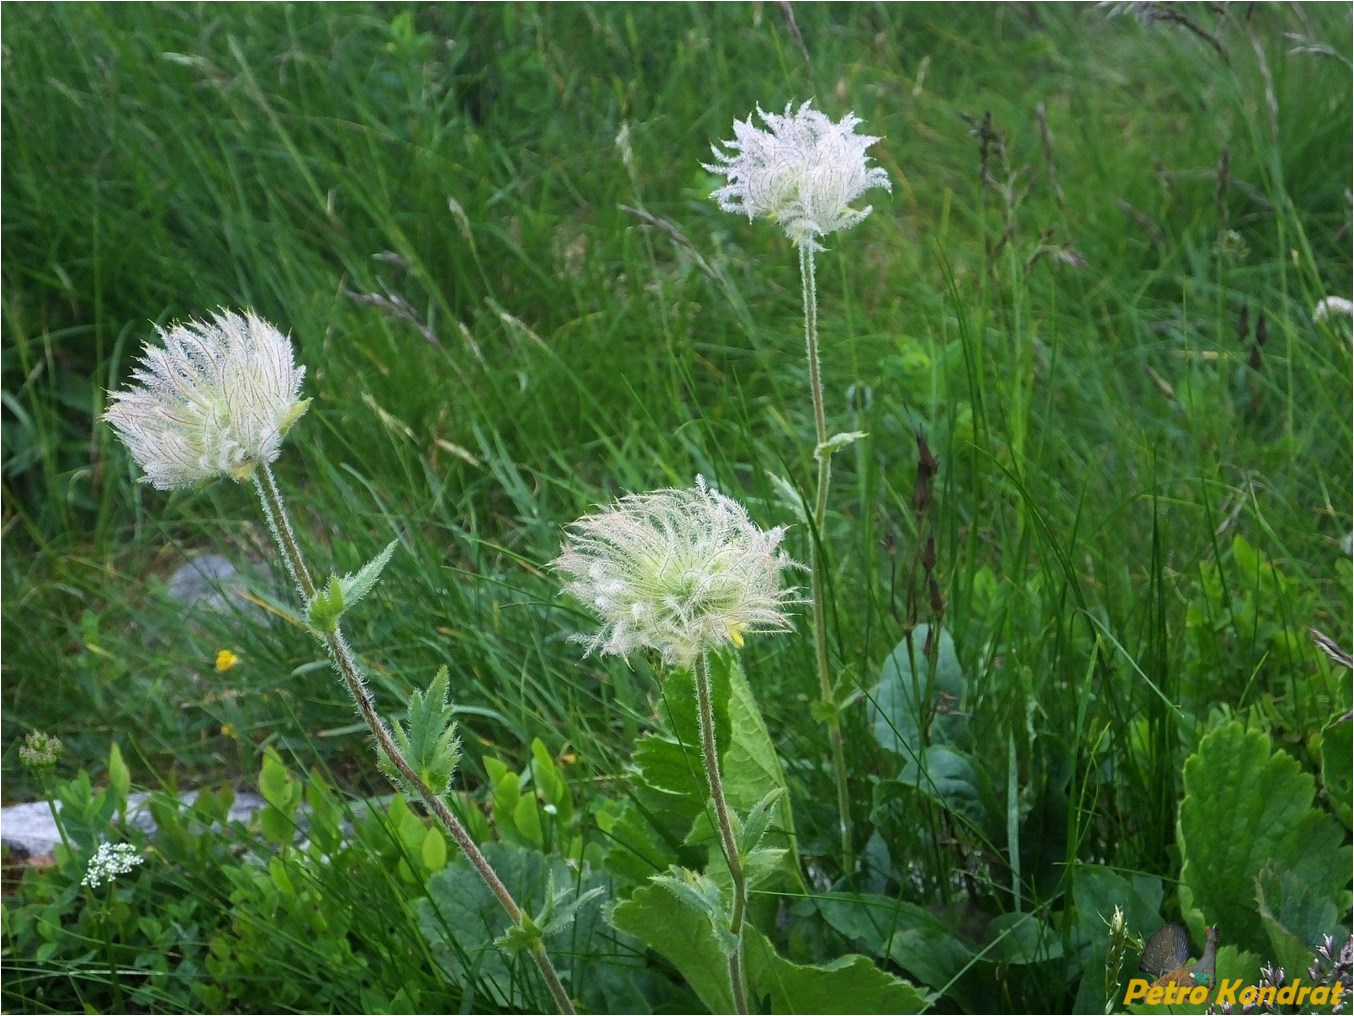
pixel 225 659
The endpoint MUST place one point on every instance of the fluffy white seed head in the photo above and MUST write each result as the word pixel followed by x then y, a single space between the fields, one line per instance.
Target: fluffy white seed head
pixel 802 172
pixel 215 400
pixel 677 571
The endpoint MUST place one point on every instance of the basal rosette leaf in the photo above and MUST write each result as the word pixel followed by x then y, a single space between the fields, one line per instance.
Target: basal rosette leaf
pixel 1248 808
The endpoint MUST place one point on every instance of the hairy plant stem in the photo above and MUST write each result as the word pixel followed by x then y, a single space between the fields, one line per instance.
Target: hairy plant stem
pixel 345 663
pixel 816 564
pixel 710 756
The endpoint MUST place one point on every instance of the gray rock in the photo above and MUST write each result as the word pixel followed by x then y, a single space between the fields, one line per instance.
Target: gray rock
pixel 31 829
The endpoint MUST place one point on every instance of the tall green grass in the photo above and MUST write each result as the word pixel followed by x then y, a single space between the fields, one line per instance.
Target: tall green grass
pixel 507 317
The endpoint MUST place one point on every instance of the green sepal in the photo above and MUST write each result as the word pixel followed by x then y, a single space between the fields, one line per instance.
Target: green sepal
pixel 836 443
pixel 326 607
pixel 521 937
pixel 428 741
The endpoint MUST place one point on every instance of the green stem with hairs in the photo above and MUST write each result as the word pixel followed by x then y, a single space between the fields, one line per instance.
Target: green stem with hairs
pixel 345 663
pixel 816 564
pixel 710 756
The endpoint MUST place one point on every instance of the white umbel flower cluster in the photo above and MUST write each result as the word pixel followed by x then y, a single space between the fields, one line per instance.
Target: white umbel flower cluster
pixel 1331 307
pixel 803 172
pixel 110 861
pixel 678 571
pixel 216 400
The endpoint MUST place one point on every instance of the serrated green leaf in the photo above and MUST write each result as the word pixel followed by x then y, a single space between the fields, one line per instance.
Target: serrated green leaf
pixel 754 827
pixel 520 938
pixel 753 771
pixel 428 740
pixel 1295 917
pixel 563 908
pixel 697 891
pixel 685 936
pixel 1248 808
pixel 355 587
pixel 836 443
pixel 761 863
pixel 849 984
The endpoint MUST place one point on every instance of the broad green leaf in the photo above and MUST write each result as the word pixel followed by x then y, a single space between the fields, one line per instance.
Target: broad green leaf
pixel 849 984
pixel 462 919
pixel 1248 808
pixel 1096 891
pixel 914 938
pixel 1295 917
pixel 1021 938
pixel 911 707
pixel 952 781
pixel 684 936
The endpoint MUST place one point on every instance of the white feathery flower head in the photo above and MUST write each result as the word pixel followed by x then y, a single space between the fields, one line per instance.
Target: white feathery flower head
pixel 110 861
pixel 215 400
pixel 803 172
pixel 677 571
